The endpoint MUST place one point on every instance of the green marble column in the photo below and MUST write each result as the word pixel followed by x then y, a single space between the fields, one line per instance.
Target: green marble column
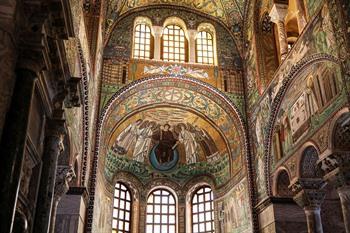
pixel 12 146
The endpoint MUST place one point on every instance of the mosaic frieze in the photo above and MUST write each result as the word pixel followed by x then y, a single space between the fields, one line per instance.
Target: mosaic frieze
pixel 182 173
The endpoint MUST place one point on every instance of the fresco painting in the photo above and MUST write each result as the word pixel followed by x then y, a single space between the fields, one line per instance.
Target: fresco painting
pixel 235 211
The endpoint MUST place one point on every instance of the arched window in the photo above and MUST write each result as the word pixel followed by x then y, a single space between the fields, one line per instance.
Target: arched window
pixel 161 212
pixel 203 211
pixel 204 48
pixel 174 44
pixel 142 41
pixel 121 209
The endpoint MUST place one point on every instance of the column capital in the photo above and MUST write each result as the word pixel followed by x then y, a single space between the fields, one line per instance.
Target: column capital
pixel 192 33
pixel 278 12
pixel 336 168
pixel 157 30
pixel 309 192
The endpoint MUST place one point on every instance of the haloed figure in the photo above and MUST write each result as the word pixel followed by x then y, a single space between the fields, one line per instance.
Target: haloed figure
pixel 166 143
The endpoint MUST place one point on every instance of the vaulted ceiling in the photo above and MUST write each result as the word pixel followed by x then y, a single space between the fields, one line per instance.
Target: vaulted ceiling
pixel 228 11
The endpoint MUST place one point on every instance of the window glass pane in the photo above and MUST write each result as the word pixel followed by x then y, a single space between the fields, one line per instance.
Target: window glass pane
pixel 173 43
pixel 204 51
pixel 142 41
pixel 121 209
pixel 202 211
pixel 160 213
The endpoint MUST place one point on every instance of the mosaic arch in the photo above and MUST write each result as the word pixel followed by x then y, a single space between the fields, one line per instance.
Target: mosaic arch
pixel 171 127
pixel 304 119
pixel 230 12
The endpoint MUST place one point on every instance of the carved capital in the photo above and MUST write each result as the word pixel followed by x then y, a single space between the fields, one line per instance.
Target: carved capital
pixel 64 175
pixel 336 168
pixel 192 34
pixel 157 30
pixel 308 192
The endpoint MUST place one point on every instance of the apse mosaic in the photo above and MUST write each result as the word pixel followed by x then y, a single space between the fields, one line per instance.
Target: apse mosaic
pixel 173 129
pixel 165 139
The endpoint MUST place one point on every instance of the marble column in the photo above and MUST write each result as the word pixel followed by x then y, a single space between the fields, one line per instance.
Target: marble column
pixel 13 145
pixel 64 175
pixel 192 34
pixel 53 147
pixel 336 167
pixel 309 195
pixel 278 14
pixel 157 32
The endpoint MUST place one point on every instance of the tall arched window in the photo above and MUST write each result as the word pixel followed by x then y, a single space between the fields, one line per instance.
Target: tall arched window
pixel 142 41
pixel 205 48
pixel 121 209
pixel 174 44
pixel 161 212
pixel 203 211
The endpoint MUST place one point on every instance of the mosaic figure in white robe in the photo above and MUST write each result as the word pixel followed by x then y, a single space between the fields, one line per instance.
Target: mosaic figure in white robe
pixel 143 142
pixel 127 137
pixel 191 146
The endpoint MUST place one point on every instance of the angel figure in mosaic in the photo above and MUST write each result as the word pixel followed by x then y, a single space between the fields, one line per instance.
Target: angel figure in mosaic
pixel 143 142
pixel 188 139
pixel 126 138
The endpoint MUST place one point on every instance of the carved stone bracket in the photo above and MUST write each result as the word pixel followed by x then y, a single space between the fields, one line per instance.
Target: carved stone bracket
pixel 63 176
pixel 73 98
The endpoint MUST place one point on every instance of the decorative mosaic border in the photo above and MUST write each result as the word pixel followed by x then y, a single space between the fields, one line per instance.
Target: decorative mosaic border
pixel 85 109
pixel 159 78
pixel 275 106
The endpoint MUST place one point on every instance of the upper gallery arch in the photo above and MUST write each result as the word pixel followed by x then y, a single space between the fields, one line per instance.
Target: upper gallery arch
pixel 159 14
pixel 230 13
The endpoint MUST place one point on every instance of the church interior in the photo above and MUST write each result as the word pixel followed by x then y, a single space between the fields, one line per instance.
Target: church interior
pixel 175 116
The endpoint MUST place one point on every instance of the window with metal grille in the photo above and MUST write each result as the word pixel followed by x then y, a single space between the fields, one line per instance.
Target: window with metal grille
pixel 161 212
pixel 174 44
pixel 203 211
pixel 204 48
pixel 121 222
pixel 142 41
